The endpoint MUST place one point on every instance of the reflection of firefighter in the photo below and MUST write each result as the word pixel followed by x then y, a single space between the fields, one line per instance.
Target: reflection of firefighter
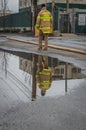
pixel 43 75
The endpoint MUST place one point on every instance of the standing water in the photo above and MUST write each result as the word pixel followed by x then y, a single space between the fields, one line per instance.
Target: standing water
pixel 17 78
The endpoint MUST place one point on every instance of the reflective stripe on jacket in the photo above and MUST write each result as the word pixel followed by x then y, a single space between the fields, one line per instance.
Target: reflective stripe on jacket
pixel 44 79
pixel 44 21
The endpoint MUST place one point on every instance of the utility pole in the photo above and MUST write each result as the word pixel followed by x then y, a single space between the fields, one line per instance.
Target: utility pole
pixel 4 13
pixel 0 5
pixel 66 65
pixel 34 69
pixel 31 15
pixel 1 8
pixel 67 10
pixel 34 13
pixel 53 5
pixel 4 7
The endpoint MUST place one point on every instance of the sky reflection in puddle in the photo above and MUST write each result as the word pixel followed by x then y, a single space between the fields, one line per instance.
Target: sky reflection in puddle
pixel 16 75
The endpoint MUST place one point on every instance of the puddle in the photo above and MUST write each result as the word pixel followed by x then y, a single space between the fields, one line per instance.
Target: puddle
pixel 18 76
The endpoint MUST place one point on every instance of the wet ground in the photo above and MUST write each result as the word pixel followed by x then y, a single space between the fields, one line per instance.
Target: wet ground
pixel 55 110
pixel 18 67
pixel 16 70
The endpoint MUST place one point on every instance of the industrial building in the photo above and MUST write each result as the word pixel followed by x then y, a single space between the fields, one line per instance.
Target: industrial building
pixel 69 16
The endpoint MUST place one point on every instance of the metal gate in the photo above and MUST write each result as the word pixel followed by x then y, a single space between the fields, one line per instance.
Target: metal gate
pixel 66 23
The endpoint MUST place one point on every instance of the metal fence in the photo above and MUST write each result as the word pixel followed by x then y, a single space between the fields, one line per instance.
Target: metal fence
pixel 17 20
pixel 74 22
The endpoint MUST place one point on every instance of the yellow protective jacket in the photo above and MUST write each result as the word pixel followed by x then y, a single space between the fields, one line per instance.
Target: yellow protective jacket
pixel 44 21
pixel 43 79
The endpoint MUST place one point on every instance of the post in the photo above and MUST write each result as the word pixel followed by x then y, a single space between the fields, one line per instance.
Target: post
pixel 31 15
pixel 73 21
pixel 58 19
pixel 34 14
pixel 67 5
pixel 67 10
pixel 66 77
pixel 34 69
pixel 4 13
pixel 53 4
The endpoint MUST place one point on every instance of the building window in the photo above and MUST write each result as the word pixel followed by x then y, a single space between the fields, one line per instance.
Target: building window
pixel 79 70
pixel 62 71
pixel 57 71
pixel 74 70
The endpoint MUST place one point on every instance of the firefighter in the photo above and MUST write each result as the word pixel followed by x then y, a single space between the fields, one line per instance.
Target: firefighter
pixel 44 24
pixel 44 80
pixel 43 76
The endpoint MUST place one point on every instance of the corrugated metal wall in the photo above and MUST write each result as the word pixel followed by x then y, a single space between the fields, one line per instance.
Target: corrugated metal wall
pixel 21 19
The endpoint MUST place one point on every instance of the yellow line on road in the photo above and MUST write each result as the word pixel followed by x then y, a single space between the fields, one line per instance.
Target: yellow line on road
pixel 51 46
pixel 68 49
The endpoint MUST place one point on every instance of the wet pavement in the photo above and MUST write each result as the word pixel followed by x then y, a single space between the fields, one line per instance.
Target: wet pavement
pixel 57 109
pixel 72 42
pixel 17 66
pixel 62 54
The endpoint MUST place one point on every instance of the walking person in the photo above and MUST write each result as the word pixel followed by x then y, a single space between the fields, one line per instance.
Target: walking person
pixel 44 24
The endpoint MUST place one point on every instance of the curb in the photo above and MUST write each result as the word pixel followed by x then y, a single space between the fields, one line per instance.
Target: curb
pixel 51 46
pixel 2 35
